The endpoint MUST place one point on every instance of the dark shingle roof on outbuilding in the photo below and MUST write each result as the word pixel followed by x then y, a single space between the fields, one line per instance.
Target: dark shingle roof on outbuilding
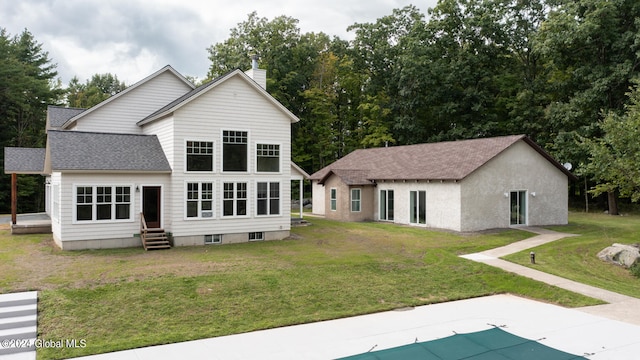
pixel 24 160
pixel 450 160
pixel 90 151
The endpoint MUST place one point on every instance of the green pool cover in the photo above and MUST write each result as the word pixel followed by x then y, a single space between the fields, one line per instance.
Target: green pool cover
pixel 492 344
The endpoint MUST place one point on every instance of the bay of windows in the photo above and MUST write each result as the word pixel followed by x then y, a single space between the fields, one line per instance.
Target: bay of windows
pixel 103 203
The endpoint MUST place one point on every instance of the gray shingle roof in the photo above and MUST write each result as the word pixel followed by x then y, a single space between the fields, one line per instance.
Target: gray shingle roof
pixel 24 160
pixel 452 160
pixel 58 115
pixel 90 151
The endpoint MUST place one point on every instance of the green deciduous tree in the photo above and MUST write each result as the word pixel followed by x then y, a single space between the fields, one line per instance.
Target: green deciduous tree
pixel 591 48
pixel 614 159
pixel 94 91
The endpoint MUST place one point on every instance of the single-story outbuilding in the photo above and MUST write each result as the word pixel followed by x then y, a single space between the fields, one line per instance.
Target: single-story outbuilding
pixel 466 185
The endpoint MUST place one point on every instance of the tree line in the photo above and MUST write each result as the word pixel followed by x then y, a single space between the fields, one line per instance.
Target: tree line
pixel 562 72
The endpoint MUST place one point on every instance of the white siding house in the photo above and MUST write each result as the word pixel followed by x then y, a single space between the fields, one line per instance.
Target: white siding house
pixel 206 165
pixel 464 185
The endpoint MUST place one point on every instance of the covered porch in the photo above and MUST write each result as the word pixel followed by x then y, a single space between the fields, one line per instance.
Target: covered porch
pixel 36 223
pixel 25 161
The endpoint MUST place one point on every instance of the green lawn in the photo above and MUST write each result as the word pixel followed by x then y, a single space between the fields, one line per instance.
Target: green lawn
pixel 126 298
pixel 575 257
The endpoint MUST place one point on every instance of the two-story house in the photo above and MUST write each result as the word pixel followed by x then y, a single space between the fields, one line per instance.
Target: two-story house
pixel 209 164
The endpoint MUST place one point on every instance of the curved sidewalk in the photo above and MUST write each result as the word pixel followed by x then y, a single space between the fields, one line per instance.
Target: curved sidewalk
pixel 619 306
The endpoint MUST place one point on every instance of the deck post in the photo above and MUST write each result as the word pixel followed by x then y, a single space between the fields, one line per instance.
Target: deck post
pixel 14 198
pixel 301 198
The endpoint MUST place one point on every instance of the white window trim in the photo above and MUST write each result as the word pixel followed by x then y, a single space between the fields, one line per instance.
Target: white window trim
pixel 213 200
pixel 94 203
pixel 235 199
pixel 257 239
pixel 425 208
pixel 213 241
pixel 331 190
pixel 351 200
pixel 255 153
pixel 268 198
pixel 249 151
pixel 386 203
pixel 526 208
pixel 213 156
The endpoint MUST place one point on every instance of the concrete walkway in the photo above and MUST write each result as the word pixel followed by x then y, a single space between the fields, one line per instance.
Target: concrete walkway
pixel 620 307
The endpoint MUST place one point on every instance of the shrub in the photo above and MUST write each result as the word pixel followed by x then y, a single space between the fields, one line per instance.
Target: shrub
pixel 635 269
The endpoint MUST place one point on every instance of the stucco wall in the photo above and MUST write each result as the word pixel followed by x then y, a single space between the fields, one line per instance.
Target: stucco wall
pixel 518 168
pixel 343 201
pixel 442 202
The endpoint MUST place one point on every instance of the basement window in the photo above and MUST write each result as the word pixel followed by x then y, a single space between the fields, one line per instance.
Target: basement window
pixel 212 239
pixel 256 236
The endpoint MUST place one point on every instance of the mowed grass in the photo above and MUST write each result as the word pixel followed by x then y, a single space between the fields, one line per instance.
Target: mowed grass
pixel 576 258
pixel 128 298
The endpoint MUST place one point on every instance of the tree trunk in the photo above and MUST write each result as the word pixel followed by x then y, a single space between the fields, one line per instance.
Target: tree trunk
pixel 612 199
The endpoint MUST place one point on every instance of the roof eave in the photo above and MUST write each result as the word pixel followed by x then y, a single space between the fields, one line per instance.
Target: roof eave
pixel 216 83
pixel 71 121
pixel 553 161
pixel 110 171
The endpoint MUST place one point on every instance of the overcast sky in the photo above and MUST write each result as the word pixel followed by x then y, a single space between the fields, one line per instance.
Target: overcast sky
pixel 134 38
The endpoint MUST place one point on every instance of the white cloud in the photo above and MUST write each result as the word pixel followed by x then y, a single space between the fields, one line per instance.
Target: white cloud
pixel 134 38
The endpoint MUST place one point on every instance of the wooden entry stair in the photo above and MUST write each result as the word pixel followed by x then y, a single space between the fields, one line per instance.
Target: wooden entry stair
pixel 153 238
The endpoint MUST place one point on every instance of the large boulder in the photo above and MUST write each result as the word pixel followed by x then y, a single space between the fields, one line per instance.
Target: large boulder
pixel 621 254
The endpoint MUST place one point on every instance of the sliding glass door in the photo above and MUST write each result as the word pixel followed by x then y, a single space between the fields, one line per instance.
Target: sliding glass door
pixel 518 207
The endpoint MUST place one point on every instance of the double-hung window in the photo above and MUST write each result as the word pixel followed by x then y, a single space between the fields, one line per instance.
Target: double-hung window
pixel 268 198
pixel 234 199
pixel 234 150
pixel 356 200
pixel 268 157
pixel 103 203
pixel 84 203
pixel 123 202
pixel 199 156
pixel 333 201
pixel 199 200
